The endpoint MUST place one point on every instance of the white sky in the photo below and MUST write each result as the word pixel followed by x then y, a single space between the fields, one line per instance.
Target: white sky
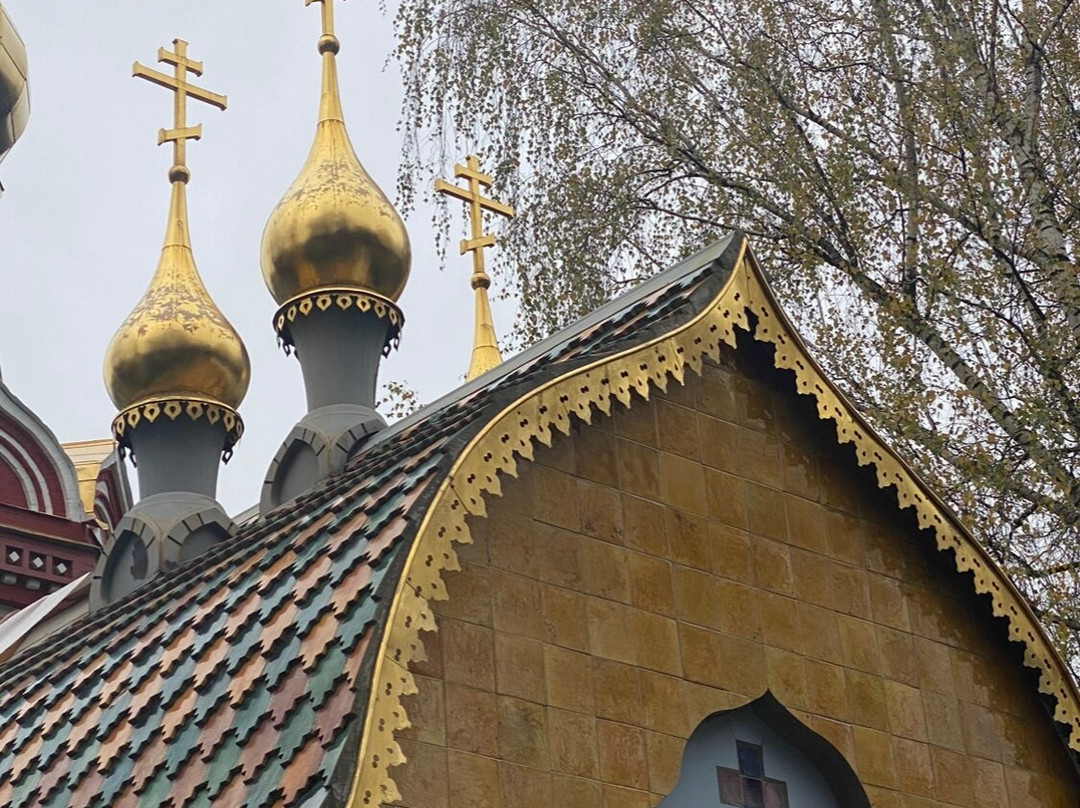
pixel 83 216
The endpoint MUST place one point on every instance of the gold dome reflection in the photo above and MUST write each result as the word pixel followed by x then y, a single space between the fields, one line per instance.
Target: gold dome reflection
pixel 334 227
pixel 176 343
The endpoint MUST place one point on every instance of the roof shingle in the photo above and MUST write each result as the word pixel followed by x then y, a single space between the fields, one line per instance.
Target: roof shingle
pixel 238 678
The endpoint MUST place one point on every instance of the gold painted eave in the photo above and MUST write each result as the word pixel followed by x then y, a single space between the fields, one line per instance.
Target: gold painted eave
pixel 508 439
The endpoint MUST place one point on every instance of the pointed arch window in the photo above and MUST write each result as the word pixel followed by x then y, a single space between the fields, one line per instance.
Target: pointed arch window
pixel 761 756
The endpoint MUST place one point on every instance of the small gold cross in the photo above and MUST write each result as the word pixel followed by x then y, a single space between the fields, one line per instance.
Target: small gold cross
pixel 485 353
pixel 478 203
pixel 181 133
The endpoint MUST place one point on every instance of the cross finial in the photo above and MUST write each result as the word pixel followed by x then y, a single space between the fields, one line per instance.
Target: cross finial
pixel 478 203
pixel 181 133
pixel 485 348
pixel 328 43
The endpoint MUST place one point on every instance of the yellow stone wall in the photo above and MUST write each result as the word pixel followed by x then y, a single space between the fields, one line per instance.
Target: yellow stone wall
pixel 682 557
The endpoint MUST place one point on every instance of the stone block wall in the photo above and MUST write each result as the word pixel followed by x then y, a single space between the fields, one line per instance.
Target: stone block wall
pixel 681 558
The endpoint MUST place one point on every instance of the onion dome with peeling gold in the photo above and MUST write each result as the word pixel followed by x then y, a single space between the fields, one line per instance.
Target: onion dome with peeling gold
pixel 176 350
pixel 334 230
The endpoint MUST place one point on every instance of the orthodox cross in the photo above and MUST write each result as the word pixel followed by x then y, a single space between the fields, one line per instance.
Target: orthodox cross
pixel 478 203
pixel 181 133
pixel 747 786
pixel 485 354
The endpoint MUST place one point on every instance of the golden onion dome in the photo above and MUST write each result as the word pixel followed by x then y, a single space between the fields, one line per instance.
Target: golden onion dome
pixel 14 96
pixel 176 344
pixel 334 227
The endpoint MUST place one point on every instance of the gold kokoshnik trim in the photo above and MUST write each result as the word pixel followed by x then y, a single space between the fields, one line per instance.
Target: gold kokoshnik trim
pixel 345 299
pixel 509 439
pixel 172 408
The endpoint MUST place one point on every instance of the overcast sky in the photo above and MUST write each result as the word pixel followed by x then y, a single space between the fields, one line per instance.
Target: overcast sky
pixel 83 216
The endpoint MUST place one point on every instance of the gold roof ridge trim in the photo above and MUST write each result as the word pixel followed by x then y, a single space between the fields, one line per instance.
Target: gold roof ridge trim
pixel 508 436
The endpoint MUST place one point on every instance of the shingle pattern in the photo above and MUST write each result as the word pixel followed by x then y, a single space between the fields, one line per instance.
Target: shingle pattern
pixel 241 678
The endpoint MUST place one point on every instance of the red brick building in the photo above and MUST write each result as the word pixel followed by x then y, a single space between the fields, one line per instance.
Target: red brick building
pixel 53 505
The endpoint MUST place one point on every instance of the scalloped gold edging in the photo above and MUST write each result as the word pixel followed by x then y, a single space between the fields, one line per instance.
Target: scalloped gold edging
pixel 344 299
pixel 969 556
pixel 172 408
pixel 536 415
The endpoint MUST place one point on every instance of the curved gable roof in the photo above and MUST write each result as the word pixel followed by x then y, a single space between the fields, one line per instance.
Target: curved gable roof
pixel 40 463
pixel 270 671
pixel 663 355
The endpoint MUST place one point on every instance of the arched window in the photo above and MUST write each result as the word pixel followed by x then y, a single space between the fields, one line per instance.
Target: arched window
pixel 761 756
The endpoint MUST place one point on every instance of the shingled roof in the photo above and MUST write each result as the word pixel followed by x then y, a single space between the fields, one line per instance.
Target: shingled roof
pixel 269 671
pixel 242 677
